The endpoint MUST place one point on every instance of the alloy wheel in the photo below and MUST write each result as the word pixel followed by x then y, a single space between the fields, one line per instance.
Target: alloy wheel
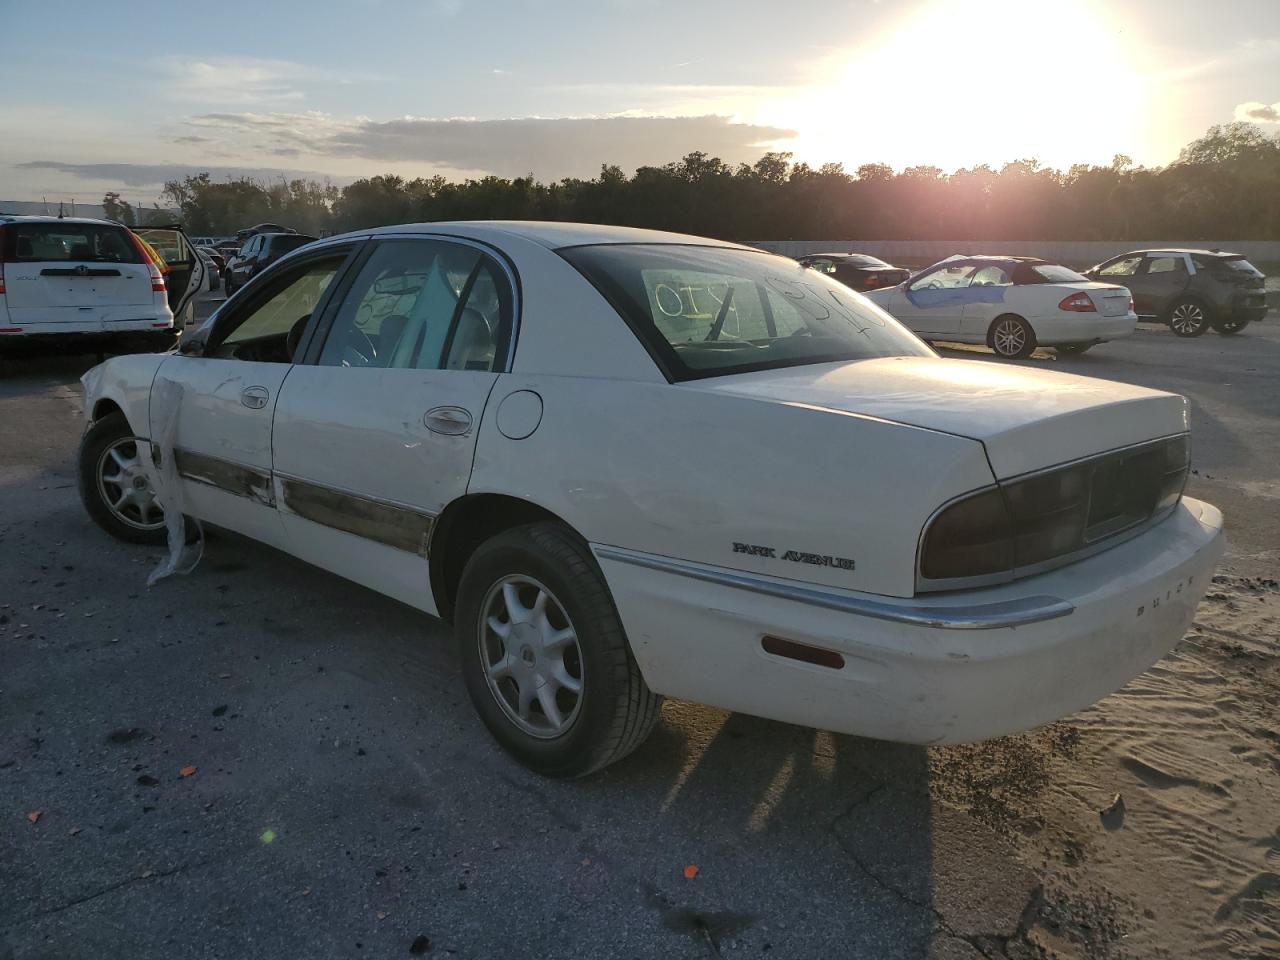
pixel 125 486
pixel 1187 319
pixel 1009 338
pixel 530 655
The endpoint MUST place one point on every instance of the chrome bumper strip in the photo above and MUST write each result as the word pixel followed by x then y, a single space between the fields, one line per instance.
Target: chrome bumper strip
pixel 974 616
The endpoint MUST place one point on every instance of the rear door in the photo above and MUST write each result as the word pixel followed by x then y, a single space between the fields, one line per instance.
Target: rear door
pixel 1161 280
pixel 184 270
pixel 69 272
pixel 375 433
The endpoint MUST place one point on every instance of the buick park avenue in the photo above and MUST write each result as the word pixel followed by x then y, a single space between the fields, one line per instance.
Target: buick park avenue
pixel 626 464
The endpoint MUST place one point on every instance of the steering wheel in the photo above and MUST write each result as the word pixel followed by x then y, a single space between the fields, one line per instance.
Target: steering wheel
pixel 933 285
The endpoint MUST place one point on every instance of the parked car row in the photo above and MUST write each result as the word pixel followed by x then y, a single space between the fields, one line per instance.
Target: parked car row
pixel 627 464
pixel 1015 304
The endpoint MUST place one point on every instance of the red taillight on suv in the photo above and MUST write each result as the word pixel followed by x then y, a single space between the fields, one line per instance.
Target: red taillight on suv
pixel 157 278
pixel 1077 303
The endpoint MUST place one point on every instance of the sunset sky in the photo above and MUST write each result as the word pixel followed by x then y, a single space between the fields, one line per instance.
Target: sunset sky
pixel 98 99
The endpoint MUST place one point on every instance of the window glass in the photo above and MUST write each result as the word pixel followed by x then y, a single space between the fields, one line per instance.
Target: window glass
pixel 704 311
pixel 1055 273
pixel 79 242
pixel 1165 265
pixel 822 266
pixel 991 276
pixel 953 276
pixel 1121 268
pixel 402 309
pixel 167 243
pixel 288 307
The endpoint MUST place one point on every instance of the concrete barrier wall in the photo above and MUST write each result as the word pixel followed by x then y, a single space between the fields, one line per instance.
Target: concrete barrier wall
pixel 1071 253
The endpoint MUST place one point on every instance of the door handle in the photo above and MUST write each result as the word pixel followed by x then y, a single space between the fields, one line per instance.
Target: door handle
pixel 255 398
pixel 451 421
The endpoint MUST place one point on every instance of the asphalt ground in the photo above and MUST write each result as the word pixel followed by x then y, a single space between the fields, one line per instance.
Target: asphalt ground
pixel 346 802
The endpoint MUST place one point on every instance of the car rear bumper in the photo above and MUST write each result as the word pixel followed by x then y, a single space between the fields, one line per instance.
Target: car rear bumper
pixel 1247 313
pixel 17 338
pixel 1081 328
pixel 945 668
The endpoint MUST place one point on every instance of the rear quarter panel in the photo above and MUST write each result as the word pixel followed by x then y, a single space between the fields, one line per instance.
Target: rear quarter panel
pixel 666 470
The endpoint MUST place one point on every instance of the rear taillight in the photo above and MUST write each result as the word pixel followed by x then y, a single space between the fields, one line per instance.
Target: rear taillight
pixel 1132 306
pixel 1077 303
pixel 873 281
pixel 1 260
pixel 1 277
pixel 157 278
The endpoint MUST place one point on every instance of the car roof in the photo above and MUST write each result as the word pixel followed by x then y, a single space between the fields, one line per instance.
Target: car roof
pixel 1180 250
pixel 844 256
pixel 18 218
pixel 552 235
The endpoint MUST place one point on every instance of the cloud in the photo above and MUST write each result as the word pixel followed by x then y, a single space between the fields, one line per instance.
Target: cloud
pixel 143 175
pixel 547 147
pixel 1255 112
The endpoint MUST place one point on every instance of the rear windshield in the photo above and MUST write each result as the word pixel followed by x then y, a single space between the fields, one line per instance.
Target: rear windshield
pixel 707 311
pixel 1052 273
pixel 862 260
pixel 76 242
pixel 289 241
pixel 1241 265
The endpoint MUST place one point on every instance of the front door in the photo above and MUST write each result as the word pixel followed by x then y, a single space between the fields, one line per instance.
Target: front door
pixel 375 433
pixel 222 400
pixel 1124 271
pixel 933 303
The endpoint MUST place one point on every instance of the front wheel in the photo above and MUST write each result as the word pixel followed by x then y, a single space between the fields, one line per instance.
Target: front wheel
pixel 544 655
pixel 1230 327
pixel 1011 337
pixel 115 486
pixel 1187 318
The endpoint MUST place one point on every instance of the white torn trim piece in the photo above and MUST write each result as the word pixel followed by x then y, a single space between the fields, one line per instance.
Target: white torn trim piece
pixel 92 382
pixel 166 397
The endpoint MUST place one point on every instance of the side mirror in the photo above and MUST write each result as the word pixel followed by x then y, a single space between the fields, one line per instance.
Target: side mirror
pixel 191 346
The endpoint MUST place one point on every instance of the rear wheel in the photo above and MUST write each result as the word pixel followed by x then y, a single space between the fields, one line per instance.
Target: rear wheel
pixel 544 655
pixel 1188 318
pixel 115 486
pixel 1068 349
pixel 1011 337
pixel 1229 327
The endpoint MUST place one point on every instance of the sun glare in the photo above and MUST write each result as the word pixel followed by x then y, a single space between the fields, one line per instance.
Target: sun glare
pixel 988 81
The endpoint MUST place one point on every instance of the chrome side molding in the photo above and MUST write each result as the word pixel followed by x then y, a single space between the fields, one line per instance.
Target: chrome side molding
pixel 939 615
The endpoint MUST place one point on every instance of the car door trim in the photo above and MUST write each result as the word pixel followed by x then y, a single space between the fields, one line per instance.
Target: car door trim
pixel 991 615
pixel 226 475
pixel 384 521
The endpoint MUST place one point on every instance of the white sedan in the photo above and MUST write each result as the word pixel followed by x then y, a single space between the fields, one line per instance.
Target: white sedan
pixel 1011 304
pixel 627 464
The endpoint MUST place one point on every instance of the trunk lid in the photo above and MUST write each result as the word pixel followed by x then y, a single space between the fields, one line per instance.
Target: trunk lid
pixel 1026 419
pixel 1111 300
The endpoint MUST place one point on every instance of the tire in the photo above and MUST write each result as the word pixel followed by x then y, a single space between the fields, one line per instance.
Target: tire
pixel 131 521
pixel 1188 318
pixel 612 711
pixel 1072 349
pixel 1229 328
pixel 1011 337
pixel 228 287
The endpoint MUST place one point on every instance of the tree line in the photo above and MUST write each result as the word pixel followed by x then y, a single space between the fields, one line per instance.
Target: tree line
pixel 1224 185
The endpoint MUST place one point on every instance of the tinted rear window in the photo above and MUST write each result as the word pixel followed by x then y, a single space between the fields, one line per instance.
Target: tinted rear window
pixel 76 242
pixel 708 311
pixel 1052 273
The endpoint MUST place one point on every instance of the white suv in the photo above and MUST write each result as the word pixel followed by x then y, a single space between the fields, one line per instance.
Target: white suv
pixel 90 279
